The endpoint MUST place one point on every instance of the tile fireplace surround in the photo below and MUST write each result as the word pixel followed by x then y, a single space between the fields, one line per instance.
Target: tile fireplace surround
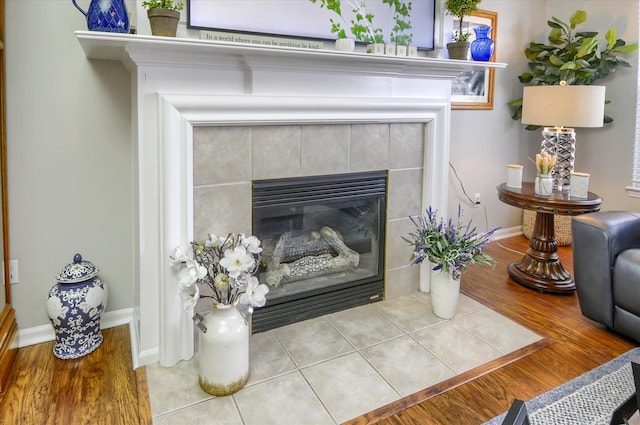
pixel 182 87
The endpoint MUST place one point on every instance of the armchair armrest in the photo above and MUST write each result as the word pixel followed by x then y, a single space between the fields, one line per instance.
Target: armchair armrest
pixel 598 238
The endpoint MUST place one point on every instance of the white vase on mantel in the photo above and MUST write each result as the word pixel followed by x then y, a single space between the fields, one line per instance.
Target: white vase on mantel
pixel 445 292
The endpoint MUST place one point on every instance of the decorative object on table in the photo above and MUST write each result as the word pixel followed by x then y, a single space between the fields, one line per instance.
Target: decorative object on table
pixel 224 267
pixel 579 185
pixel 565 107
pixel 450 247
pixel 106 15
pixel 575 58
pixel 572 57
pixel 514 175
pixel 459 46
pixel 482 47
pixel 545 164
pixel 75 306
pixel 164 16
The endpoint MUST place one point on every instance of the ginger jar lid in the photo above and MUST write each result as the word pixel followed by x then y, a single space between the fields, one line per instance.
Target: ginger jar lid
pixel 78 271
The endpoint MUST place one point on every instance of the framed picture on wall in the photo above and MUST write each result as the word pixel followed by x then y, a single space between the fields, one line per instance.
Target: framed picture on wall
pixel 474 89
pixel 310 19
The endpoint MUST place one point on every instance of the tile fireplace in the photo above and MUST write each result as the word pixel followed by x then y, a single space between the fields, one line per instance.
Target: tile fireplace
pixel 349 113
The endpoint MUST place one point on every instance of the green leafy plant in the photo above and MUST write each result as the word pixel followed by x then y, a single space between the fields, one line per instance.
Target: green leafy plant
pixel 460 9
pixel 572 56
pixel 402 22
pixel 361 27
pixel 163 4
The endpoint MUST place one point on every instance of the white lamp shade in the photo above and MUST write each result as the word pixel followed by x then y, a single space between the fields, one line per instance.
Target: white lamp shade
pixel 563 106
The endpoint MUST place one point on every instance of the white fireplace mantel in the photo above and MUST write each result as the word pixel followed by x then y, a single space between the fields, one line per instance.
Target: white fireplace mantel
pixel 178 84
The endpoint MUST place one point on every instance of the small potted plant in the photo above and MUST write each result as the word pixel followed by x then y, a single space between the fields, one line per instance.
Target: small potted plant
pixel 459 46
pixel 164 16
pixel 450 246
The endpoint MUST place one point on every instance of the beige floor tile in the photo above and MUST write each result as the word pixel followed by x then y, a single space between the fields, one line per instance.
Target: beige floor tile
pixel 216 411
pixel 406 365
pixel 409 313
pixel 503 334
pixel 171 388
pixel 348 386
pixel 335 382
pixel 364 326
pixel 312 341
pixel 267 358
pixel 455 346
pixel 285 400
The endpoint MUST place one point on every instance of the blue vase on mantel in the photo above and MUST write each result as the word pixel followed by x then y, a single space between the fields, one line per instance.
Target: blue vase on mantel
pixel 106 15
pixel 482 47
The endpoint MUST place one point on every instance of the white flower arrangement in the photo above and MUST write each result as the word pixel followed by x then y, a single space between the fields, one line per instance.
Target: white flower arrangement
pixel 225 266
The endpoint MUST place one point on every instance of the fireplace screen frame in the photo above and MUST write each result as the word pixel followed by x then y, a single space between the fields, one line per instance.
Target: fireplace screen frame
pixel 356 187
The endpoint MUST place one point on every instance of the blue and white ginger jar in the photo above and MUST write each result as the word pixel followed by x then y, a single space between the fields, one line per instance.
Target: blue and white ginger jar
pixel 75 305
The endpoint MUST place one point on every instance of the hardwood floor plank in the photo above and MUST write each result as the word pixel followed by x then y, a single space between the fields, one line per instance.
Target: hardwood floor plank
pixel 99 388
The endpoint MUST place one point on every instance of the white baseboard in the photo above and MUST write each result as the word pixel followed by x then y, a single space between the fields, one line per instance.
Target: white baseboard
pixel 508 232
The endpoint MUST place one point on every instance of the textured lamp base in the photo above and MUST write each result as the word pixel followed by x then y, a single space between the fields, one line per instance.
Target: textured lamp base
pixel 560 141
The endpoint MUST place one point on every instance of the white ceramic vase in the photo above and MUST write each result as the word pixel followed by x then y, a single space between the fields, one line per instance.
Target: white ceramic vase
pixel 223 363
pixel 345 45
pixel 543 185
pixel 445 291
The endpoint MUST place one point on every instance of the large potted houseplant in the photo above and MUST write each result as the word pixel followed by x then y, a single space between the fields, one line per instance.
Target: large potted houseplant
pixel 450 246
pixel 571 56
pixel 164 16
pixel 459 46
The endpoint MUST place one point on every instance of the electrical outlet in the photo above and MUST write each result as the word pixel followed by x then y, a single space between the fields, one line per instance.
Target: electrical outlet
pixel 13 271
pixel 476 200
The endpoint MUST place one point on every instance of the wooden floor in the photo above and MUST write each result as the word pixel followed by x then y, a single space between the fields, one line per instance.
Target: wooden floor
pixel 102 388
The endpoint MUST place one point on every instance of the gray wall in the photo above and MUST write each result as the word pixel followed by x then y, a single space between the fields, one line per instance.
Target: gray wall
pixel 70 151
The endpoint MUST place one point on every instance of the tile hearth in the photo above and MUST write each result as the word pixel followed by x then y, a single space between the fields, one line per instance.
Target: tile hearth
pixel 336 367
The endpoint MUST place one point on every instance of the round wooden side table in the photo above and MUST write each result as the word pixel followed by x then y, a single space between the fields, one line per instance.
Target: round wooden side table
pixel 540 268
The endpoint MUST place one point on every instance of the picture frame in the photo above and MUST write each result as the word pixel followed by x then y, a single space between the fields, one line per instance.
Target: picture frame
pixel 312 20
pixel 474 89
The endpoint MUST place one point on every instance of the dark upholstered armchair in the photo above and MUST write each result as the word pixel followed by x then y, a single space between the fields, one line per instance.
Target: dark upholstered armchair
pixel 606 265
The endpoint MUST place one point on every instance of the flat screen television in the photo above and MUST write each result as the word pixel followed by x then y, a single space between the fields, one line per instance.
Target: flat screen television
pixel 304 18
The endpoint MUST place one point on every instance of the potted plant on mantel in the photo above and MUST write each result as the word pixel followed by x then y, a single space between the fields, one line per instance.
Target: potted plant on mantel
pixel 450 247
pixel 164 16
pixel 459 46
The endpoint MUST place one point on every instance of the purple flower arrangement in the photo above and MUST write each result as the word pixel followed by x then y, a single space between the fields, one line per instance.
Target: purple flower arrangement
pixel 450 246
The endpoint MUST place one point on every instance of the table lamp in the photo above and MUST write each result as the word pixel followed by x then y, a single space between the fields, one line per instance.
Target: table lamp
pixel 564 107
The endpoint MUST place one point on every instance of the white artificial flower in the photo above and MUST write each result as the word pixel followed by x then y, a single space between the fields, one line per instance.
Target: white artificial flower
pixel 214 241
pixel 179 255
pixel 221 282
pixel 256 293
pixel 237 260
pixel 191 273
pixel 252 244
pixel 190 298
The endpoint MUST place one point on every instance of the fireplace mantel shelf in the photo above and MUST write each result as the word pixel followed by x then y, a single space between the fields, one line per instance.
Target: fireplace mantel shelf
pixel 134 48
